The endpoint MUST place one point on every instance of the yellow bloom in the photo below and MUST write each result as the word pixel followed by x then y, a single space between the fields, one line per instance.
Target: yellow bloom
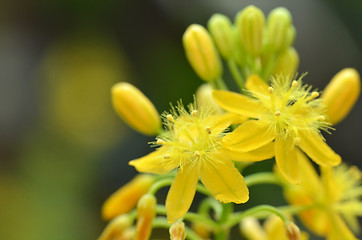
pixel 272 229
pixel 126 198
pixel 286 114
pixel 193 145
pixel 334 197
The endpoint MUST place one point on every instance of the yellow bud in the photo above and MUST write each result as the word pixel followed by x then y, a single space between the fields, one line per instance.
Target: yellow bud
pixel 280 31
pixel 292 230
pixel 250 23
pixel 126 198
pixel 341 94
pixel 287 63
pixel 201 53
pixel 146 211
pixel 201 229
pixel 135 109
pixel 116 228
pixel 177 231
pixel 221 31
pixel 204 98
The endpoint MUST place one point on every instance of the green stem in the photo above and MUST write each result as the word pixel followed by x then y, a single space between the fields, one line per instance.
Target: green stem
pixel 210 203
pixel 161 222
pixel 220 84
pixel 160 184
pixel 255 211
pixel 261 178
pixel 223 233
pixel 236 74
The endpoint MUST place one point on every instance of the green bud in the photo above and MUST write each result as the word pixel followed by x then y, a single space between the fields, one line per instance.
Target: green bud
pixel 280 31
pixel 250 23
pixel 287 62
pixel 201 53
pixel 291 35
pixel 221 30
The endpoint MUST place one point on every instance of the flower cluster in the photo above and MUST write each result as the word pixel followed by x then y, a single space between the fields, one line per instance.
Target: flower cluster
pixel 205 147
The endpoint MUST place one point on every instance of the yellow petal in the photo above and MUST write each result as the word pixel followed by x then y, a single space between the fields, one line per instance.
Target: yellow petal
pixel 287 160
pixel 315 147
pixel 256 85
pixel 237 103
pixel 251 229
pixel 126 198
pixel 309 177
pixel 223 180
pixel 249 136
pixel 155 162
pixel 181 193
pixel 338 228
pixel 274 228
pixel 262 153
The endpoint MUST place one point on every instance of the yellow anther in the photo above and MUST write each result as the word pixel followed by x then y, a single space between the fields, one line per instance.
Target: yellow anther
pixel 166 156
pixel 270 90
pixel 312 96
pixel 160 142
pixel 321 118
pixel 194 113
pixel 170 118
pixel 208 130
pixel 277 113
pixel 197 154
pixel 294 84
pixel 296 141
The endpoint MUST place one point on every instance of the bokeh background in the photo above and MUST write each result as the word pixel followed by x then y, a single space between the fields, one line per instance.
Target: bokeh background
pixel 63 150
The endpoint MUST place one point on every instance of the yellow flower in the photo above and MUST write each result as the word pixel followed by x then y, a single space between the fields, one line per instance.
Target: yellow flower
pixel 272 229
pixel 286 114
pixel 334 197
pixel 193 145
pixel 126 198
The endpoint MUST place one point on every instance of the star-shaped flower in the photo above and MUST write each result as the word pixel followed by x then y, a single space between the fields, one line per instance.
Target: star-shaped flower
pixel 286 113
pixel 334 198
pixel 193 144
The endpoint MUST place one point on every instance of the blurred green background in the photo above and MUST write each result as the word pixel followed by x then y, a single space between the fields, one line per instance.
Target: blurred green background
pixel 63 150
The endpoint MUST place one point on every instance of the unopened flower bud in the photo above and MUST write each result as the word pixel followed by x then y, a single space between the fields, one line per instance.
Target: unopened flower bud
pixel 341 94
pixel 221 31
pixel 280 33
pixel 201 53
pixel 116 228
pixel 204 98
pixel 177 231
pixel 287 63
pixel 292 230
pixel 136 109
pixel 146 211
pixel 126 198
pixel 250 23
